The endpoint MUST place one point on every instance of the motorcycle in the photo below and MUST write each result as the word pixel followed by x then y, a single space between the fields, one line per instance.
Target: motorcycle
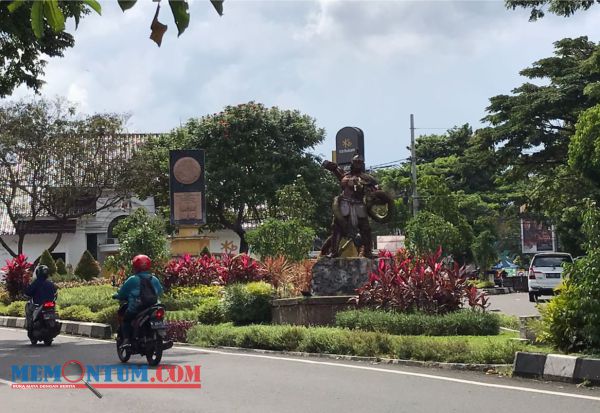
pixel 149 335
pixel 42 324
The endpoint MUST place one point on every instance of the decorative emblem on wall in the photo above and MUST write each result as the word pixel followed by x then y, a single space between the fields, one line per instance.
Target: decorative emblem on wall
pixel 228 247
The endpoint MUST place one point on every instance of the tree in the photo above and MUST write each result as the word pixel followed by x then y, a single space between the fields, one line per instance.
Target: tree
pixel 584 148
pixel 87 267
pixel 58 166
pixel 141 233
pixel 294 201
pixel 533 126
pixel 290 239
pixel 427 232
pixel 484 250
pixel 251 152
pixel 47 260
pixel 563 8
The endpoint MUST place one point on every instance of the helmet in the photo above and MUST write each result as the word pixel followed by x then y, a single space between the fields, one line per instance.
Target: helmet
pixel 42 271
pixel 141 263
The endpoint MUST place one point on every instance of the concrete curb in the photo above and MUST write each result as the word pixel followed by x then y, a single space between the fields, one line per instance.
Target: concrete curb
pixel 77 328
pixel 557 367
pixel 382 360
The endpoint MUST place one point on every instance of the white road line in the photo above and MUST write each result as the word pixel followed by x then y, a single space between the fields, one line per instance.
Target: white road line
pixel 388 371
pixel 8 383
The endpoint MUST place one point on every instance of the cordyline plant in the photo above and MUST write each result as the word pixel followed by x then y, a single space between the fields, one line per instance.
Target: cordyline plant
pixel 17 276
pixel 208 270
pixel 408 283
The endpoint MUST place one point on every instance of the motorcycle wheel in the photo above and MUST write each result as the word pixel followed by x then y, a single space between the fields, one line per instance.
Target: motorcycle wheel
pixel 48 342
pixel 154 355
pixel 123 353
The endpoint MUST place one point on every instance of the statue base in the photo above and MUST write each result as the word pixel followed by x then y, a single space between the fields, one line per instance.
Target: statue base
pixel 340 276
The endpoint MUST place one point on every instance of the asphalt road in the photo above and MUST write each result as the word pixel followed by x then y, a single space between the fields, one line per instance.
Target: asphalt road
pixel 246 382
pixel 514 304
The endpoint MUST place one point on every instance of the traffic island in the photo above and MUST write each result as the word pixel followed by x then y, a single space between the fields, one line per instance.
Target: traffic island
pixel 77 328
pixel 310 311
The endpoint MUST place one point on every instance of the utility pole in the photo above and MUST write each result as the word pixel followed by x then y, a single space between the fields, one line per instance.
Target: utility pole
pixel 413 166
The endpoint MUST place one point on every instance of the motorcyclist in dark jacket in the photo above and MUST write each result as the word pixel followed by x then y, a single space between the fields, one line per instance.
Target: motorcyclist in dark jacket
pixel 40 290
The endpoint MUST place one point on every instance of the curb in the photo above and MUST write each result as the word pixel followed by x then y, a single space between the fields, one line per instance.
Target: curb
pixel 77 328
pixel 383 360
pixel 556 367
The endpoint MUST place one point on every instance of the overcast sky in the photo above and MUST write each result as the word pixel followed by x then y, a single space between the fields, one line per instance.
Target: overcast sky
pixel 346 63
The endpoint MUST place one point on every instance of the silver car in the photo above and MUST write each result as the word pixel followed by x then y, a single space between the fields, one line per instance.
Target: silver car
pixel 546 273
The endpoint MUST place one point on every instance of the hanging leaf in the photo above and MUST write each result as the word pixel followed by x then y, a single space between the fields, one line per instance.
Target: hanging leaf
pixel 54 15
pixel 158 29
pixel 126 4
pixel 15 5
pixel 94 5
pixel 181 14
pixel 37 20
pixel 218 5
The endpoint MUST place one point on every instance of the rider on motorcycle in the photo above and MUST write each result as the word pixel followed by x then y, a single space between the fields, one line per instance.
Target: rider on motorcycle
pixel 40 290
pixel 130 292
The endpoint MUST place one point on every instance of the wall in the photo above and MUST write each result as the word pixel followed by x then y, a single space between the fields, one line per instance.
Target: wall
pixel 73 245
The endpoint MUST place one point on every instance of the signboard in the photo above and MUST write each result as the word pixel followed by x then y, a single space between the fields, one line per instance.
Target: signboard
pixel 348 142
pixel 186 185
pixel 537 237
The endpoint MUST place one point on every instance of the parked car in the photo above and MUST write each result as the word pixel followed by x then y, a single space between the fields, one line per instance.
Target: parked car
pixel 546 273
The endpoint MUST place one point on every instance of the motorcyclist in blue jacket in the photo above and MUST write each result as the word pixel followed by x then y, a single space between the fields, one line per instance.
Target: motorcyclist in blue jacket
pixel 40 290
pixel 130 292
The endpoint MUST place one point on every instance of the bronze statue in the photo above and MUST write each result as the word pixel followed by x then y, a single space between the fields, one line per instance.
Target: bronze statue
pixel 352 209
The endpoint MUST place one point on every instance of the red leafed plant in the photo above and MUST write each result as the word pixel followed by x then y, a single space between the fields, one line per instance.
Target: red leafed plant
pixel 189 271
pixel 242 268
pixel 17 276
pixel 177 330
pixel 409 283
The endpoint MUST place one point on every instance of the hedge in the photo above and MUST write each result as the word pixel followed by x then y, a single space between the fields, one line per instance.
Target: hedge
pixel 498 349
pixel 459 323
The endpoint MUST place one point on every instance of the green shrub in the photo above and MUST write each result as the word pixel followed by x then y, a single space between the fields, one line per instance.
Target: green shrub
pixel 77 313
pixel 485 284
pixel 16 309
pixel 47 260
pixel 61 268
pixel 182 315
pixel 199 291
pixel 248 303
pixel 457 323
pixel 464 349
pixel 59 278
pixel 178 304
pixel 108 315
pixel 95 297
pixel 88 267
pixel 274 237
pixel 509 321
pixel 2 309
pixel 211 311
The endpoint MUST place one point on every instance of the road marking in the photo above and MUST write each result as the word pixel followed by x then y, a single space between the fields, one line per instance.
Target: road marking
pixel 8 383
pixel 351 366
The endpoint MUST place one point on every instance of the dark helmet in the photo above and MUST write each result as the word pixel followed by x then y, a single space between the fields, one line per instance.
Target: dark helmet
pixel 141 263
pixel 42 271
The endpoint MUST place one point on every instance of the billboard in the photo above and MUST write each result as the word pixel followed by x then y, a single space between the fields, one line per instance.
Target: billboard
pixel 187 187
pixel 537 237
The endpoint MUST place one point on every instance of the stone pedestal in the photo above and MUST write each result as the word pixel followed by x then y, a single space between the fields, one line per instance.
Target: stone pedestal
pixel 340 276
pixel 188 241
pixel 310 311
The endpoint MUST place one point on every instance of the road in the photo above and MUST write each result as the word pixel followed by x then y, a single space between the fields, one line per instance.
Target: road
pixel 247 382
pixel 514 304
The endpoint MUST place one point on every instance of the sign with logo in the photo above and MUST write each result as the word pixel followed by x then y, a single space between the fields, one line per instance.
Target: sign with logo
pixel 348 142
pixel 187 187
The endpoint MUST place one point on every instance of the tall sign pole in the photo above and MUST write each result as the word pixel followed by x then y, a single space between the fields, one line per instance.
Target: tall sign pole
pixel 413 166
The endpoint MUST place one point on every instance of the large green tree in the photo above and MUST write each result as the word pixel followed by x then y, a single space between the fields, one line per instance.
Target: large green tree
pixel 251 152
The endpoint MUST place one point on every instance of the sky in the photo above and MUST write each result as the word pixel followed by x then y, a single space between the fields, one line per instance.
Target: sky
pixel 368 64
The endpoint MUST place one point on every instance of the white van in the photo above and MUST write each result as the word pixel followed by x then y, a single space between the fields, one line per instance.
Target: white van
pixel 545 273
